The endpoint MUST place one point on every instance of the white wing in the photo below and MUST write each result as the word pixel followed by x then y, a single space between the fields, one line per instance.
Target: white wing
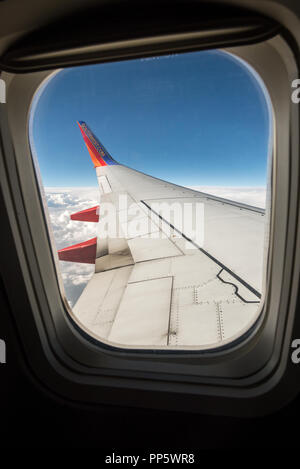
pixel 177 268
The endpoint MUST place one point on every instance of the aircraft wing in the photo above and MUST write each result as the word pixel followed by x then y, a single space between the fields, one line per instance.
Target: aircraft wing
pixel 173 266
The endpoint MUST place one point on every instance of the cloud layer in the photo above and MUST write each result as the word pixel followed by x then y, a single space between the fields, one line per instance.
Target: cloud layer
pixel 62 202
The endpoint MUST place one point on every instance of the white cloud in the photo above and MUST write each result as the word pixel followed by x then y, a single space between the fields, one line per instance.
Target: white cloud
pixel 62 202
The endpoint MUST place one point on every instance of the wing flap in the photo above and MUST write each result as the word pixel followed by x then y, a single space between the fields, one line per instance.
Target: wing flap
pixel 145 249
pixel 143 315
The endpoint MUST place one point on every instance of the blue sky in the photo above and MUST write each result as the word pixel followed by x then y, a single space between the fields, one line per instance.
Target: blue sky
pixel 194 119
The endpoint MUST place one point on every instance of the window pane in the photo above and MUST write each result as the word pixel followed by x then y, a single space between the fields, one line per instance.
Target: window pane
pixel 155 176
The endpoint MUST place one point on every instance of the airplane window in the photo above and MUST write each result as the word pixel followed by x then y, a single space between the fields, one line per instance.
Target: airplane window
pixel 155 174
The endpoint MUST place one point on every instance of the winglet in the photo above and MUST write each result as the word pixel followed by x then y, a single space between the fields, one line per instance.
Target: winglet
pixel 98 154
